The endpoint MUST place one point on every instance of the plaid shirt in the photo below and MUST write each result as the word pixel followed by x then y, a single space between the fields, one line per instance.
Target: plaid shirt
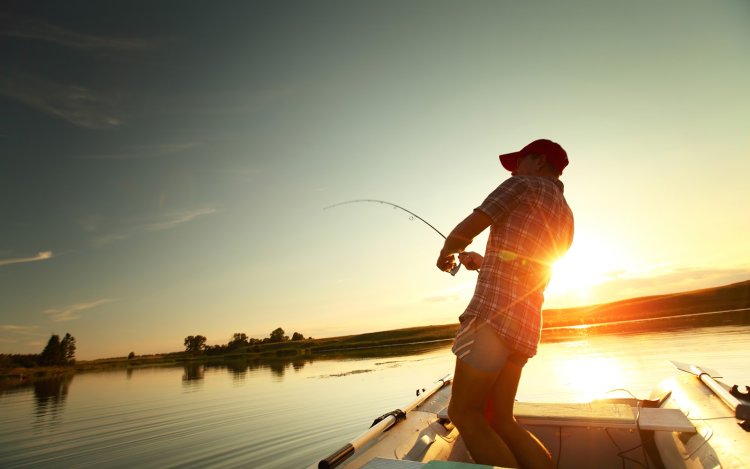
pixel 532 226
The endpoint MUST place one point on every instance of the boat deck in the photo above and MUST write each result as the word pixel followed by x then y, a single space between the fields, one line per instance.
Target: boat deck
pixel 627 433
pixel 607 432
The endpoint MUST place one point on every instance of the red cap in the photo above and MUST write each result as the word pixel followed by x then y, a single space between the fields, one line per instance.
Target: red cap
pixel 555 154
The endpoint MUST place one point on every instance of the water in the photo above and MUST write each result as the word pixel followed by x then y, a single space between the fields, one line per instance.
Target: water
pixel 290 413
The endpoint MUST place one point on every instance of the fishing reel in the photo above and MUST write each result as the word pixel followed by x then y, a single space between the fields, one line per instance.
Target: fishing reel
pixel 739 394
pixel 744 397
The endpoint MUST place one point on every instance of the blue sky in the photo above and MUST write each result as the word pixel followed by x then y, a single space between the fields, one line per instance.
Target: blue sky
pixel 164 166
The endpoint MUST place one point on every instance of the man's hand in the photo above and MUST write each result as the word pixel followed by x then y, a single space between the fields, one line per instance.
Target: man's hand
pixel 471 260
pixel 446 262
pixel 460 237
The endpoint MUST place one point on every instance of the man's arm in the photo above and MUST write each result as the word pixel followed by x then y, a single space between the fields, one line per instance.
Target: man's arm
pixel 461 236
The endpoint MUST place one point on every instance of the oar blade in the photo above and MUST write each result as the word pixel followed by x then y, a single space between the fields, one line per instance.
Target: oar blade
pixel 696 370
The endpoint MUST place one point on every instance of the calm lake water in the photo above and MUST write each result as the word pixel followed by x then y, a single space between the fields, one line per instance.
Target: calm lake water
pixel 289 414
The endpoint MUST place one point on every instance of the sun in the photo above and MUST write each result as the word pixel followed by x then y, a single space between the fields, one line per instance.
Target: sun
pixel 589 262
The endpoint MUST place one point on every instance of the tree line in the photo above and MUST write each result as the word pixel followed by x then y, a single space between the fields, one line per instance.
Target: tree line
pixel 57 352
pixel 197 343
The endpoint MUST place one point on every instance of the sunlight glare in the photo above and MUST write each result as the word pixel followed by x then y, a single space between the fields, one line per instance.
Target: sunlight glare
pixel 590 262
pixel 591 378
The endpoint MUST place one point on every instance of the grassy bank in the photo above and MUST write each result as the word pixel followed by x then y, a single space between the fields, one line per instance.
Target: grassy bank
pixel 352 345
pixel 14 377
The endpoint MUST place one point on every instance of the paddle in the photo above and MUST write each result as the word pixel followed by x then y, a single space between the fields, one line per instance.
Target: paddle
pixel 707 376
pixel 388 420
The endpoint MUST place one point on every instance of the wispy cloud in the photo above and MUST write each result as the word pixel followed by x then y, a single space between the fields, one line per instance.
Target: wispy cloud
pixel 105 233
pixel 70 313
pixel 78 104
pixel 44 255
pixel 220 102
pixel 16 329
pixel 13 335
pixel 144 151
pixel 244 174
pixel 174 219
pixel 104 240
pixel 41 30
pixel 75 104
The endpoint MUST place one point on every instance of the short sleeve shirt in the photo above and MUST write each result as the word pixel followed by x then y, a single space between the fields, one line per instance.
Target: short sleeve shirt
pixel 532 226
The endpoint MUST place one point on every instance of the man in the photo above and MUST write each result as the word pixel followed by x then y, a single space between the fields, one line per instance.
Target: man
pixel 531 226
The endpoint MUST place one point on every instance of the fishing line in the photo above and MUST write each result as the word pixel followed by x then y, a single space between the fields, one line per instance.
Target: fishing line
pixel 411 217
pixel 392 205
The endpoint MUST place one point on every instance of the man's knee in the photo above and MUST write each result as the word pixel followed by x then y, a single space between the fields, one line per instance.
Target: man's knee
pixel 503 424
pixel 501 417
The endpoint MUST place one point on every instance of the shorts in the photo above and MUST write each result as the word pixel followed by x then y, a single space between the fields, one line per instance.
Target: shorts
pixel 479 346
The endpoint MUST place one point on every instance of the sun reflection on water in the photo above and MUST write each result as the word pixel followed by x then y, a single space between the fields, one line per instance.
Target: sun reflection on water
pixel 591 378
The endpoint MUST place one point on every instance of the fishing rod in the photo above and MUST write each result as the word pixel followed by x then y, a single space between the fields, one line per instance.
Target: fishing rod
pixel 413 215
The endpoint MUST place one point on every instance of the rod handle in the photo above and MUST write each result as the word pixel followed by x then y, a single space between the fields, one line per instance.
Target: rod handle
pixel 337 457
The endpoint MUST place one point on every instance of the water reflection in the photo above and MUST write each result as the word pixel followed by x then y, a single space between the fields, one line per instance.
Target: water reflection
pixel 592 377
pixel 49 397
pixel 193 372
pixel 238 369
pixel 277 368
pixel 196 415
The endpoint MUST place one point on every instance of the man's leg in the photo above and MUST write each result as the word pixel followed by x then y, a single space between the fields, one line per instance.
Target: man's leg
pixel 470 390
pixel 528 451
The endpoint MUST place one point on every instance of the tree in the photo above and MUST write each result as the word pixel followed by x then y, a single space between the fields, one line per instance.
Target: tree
pixel 68 349
pixel 59 352
pixel 278 335
pixel 216 349
pixel 131 355
pixel 51 353
pixel 239 339
pixel 195 343
pixel 298 336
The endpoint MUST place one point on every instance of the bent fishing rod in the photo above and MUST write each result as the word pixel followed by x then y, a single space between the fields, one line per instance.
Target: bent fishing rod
pixel 413 215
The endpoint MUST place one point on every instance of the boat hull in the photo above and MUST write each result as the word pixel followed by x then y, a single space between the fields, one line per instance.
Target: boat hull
pixel 719 441
pixel 683 426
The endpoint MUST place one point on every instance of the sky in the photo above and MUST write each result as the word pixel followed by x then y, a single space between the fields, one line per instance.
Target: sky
pixel 164 166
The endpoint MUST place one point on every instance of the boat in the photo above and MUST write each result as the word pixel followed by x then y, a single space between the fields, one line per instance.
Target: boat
pixel 691 420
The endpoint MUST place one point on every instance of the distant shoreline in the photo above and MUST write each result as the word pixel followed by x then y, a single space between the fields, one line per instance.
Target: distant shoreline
pixel 714 306
pixel 708 300
pixel 646 320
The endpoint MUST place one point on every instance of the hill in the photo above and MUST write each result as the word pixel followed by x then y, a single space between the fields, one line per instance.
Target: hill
pixel 728 297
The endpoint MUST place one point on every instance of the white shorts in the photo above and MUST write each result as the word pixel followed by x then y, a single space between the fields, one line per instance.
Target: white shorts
pixel 479 346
